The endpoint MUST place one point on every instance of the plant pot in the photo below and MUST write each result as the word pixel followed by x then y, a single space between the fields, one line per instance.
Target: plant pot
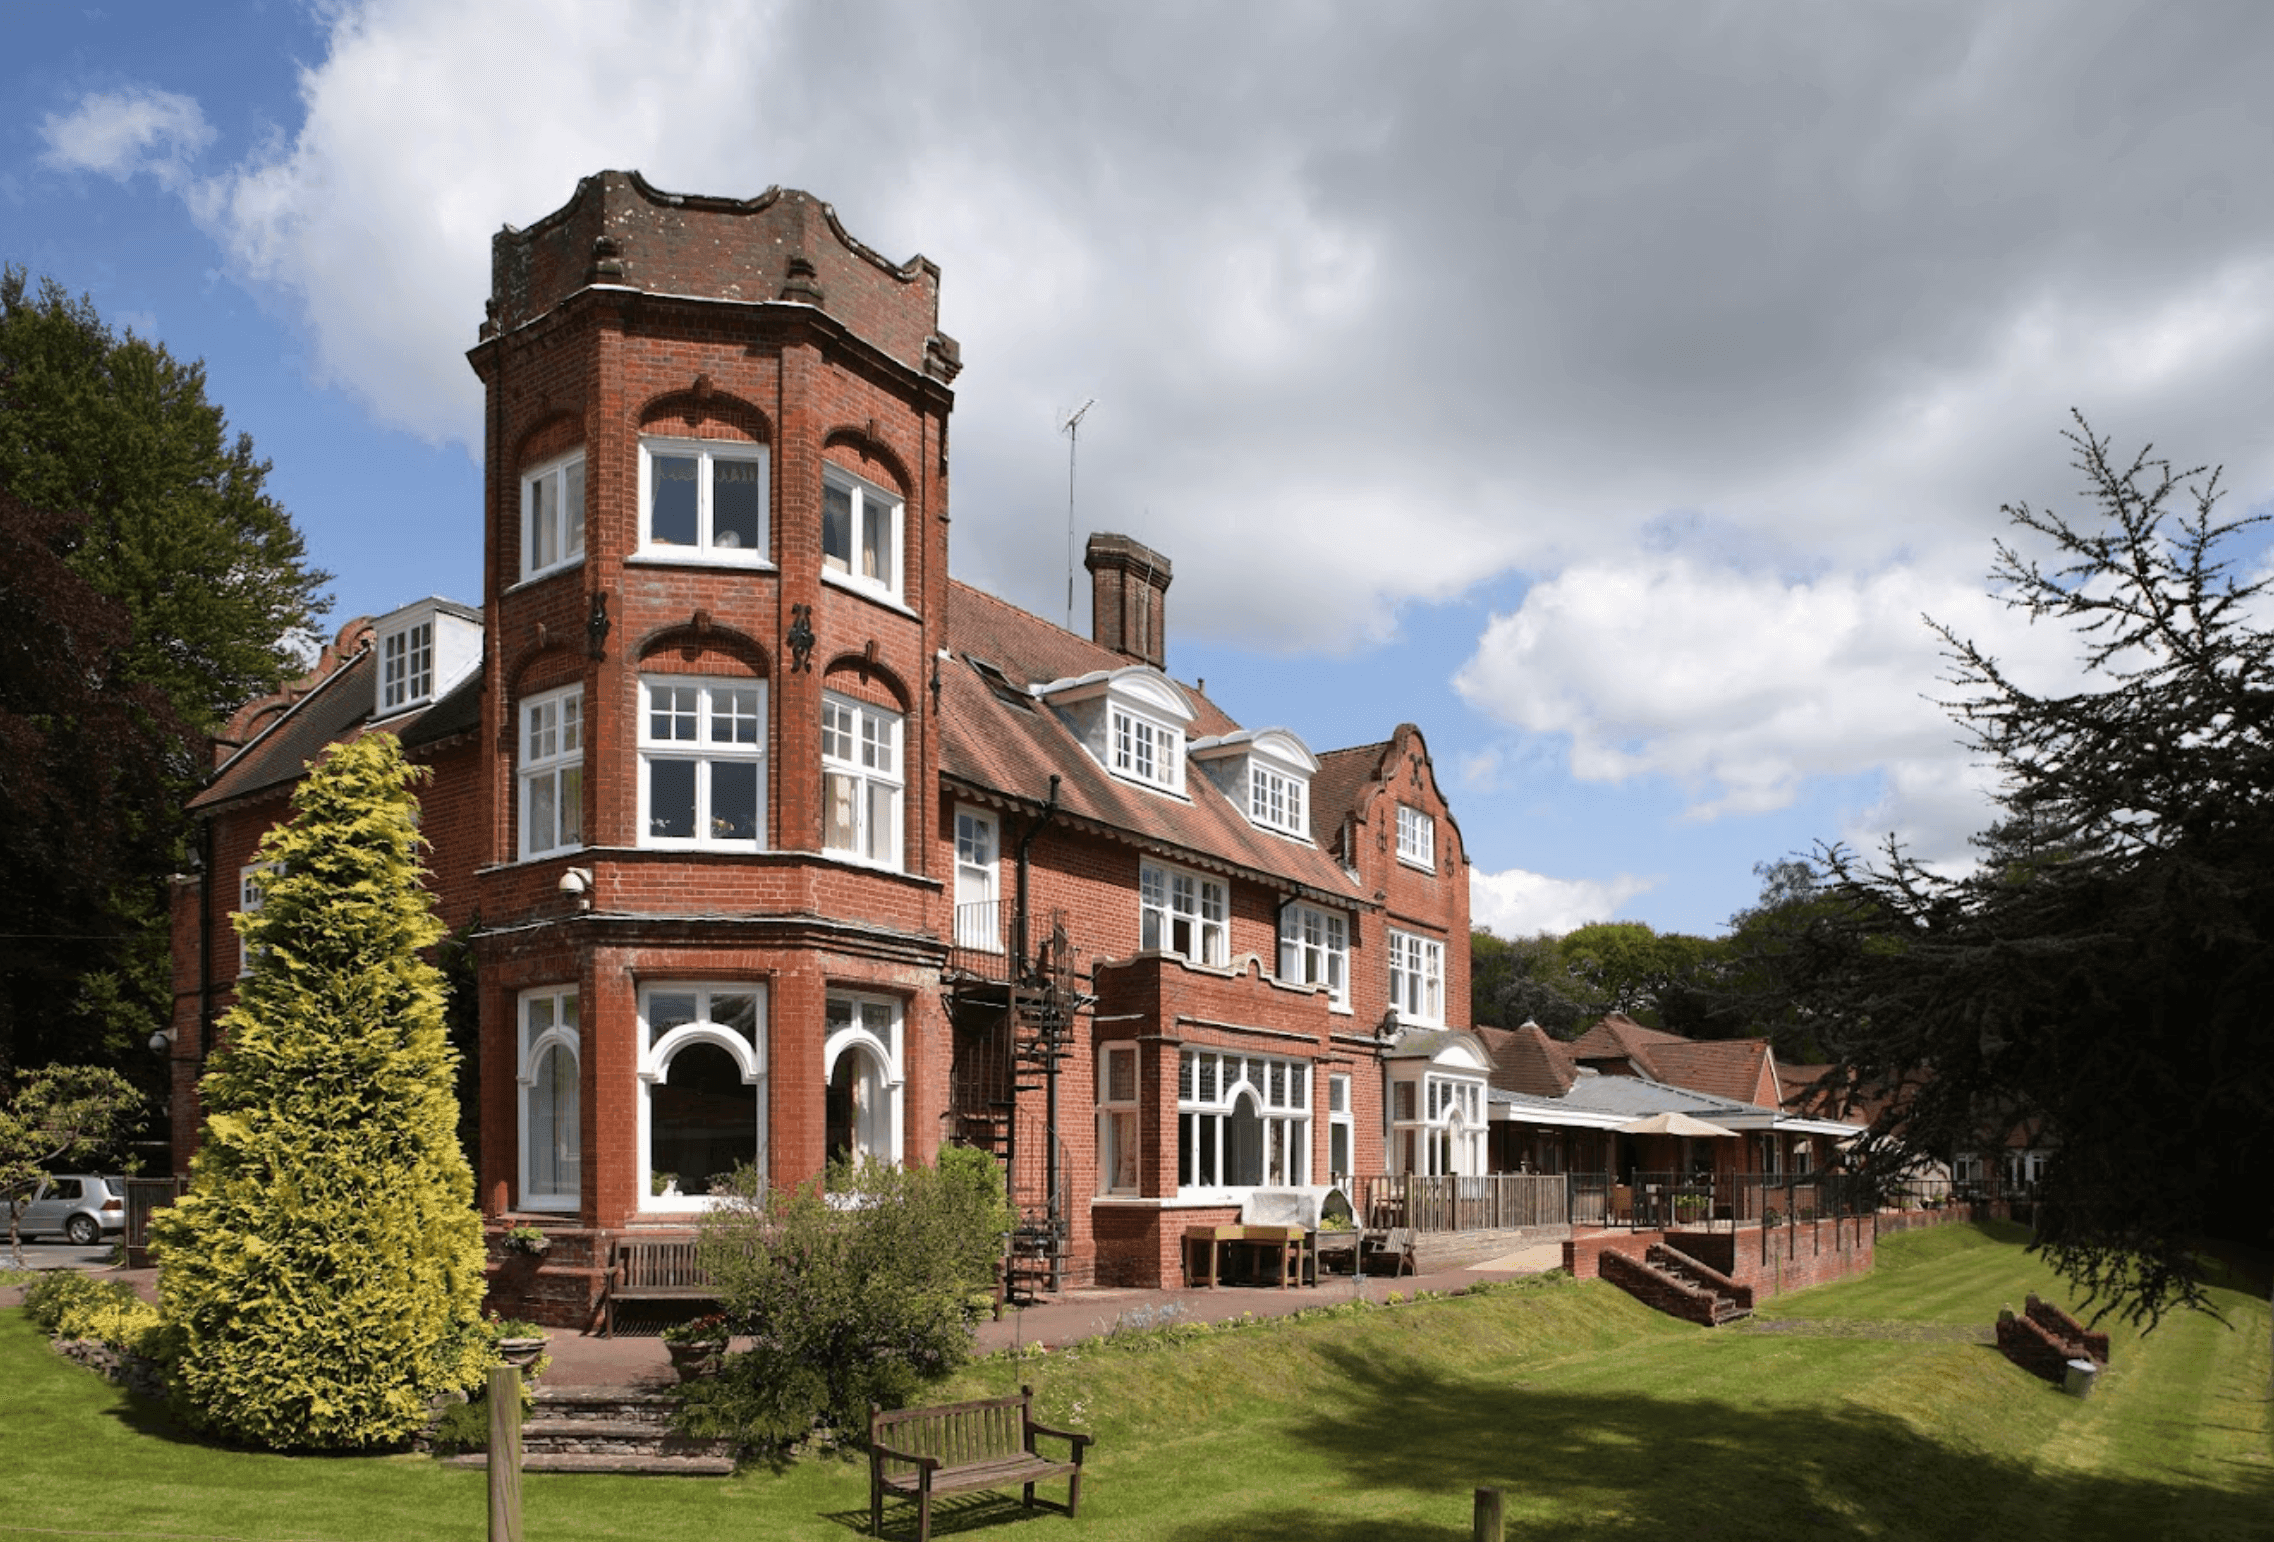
pixel 521 1354
pixel 692 1361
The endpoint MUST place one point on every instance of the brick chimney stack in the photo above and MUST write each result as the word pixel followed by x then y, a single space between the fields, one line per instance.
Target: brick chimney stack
pixel 1129 585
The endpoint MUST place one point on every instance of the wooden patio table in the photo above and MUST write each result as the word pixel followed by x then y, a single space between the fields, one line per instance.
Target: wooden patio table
pixel 1287 1251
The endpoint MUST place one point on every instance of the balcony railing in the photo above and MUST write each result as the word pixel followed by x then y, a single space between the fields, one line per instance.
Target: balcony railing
pixel 981 945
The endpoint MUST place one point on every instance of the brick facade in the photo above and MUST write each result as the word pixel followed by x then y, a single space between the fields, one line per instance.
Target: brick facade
pixel 632 325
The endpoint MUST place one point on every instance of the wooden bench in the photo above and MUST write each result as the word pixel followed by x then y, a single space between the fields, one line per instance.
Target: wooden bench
pixel 654 1269
pixel 919 1452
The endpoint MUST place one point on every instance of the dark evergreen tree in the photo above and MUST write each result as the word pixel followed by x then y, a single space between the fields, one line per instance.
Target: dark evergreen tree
pixel 2102 978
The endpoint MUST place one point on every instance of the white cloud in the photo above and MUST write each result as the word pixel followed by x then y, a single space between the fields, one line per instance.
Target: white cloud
pixel 1741 686
pixel 1517 904
pixel 120 133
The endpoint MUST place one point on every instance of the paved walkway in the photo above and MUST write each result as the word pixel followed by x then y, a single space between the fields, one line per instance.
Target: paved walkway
pixel 632 1360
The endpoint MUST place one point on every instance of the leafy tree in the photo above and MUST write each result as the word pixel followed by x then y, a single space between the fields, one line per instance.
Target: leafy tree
pixel 84 802
pixel 323 1277
pixel 2102 976
pixel 1513 981
pixel 859 1294
pixel 62 1114
pixel 1660 979
pixel 196 589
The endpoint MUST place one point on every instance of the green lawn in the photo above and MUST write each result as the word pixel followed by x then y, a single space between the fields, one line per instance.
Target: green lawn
pixel 1867 1413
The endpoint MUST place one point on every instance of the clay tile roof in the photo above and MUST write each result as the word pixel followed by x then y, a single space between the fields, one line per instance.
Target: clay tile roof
pixel 1619 1037
pixel 1342 779
pixel 337 709
pixel 1728 1068
pixel 994 738
pixel 1528 1060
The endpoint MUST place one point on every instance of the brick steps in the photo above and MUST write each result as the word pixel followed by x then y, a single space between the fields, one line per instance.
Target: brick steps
pixel 608 1429
pixel 1677 1286
pixel 1726 1306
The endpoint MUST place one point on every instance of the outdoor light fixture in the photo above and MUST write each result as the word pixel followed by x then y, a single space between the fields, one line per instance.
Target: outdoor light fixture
pixel 161 1041
pixel 576 883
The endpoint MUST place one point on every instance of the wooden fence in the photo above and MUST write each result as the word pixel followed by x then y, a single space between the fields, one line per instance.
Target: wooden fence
pixel 1448 1202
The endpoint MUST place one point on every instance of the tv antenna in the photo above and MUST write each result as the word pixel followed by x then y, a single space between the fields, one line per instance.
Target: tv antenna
pixel 1071 427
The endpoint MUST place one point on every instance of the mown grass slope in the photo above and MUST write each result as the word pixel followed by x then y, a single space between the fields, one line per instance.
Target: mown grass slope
pixel 1863 1411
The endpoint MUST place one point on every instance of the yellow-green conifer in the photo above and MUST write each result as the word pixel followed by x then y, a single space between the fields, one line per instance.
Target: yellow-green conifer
pixel 323 1277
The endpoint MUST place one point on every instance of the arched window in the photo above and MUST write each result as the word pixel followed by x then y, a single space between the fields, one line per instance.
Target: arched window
pixel 702 1072
pixel 862 1059
pixel 551 1153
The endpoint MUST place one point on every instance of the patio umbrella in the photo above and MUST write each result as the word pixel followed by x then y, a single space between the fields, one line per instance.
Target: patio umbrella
pixel 1673 1124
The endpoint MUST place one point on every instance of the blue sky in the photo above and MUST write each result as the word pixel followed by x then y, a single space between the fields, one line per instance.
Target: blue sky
pixel 1609 395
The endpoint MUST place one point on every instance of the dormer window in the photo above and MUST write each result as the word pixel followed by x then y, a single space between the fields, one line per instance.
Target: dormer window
pixel 1131 720
pixel 424 651
pixel 1147 751
pixel 406 667
pixel 1266 772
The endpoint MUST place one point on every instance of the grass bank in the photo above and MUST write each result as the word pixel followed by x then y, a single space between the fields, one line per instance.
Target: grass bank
pixel 1865 1411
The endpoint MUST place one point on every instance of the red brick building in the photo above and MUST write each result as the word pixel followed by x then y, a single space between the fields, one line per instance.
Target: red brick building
pixel 777 844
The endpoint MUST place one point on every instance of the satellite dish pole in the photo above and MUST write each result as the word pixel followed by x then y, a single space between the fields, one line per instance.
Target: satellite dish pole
pixel 1071 427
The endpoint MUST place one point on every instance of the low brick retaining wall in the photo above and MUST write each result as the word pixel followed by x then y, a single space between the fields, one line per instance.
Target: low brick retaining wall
pixel 2044 1339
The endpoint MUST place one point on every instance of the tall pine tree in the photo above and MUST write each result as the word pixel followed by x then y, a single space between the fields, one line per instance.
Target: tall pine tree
pixel 323 1277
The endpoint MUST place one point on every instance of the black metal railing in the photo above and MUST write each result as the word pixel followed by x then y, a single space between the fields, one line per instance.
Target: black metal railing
pixel 980 945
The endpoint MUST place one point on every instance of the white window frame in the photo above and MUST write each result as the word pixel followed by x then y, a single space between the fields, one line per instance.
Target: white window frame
pixel 1417 977
pixel 1172 897
pixel 713 707
pixel 250 898
pixel 1121 1160
pixel 1277 800
pixel 978 880
pixel 707 454
pixel 1342 1129
pixel 871 1026
pixel 861 750
pixel 552 760
pixel 1417 837
pixel 654 1066
pixel 552 516
pixel 1143 748
pixel 1211 1083
pixel 1437 1123
pixel 406 667
pixel 1314 949
pixel 547 1023
pixel 869 508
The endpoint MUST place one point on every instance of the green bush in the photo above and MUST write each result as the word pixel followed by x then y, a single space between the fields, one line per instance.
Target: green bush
pixel 859 1293
pixel 70 1305
pixel 323 1276
pixel 57 1291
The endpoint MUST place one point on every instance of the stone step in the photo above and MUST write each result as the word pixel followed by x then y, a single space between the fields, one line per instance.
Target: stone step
pixel 638 1463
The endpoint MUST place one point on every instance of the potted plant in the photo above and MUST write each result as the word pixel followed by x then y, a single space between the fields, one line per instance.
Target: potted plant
pixel 696 1347
pixel 519 1343
pixel 527 1239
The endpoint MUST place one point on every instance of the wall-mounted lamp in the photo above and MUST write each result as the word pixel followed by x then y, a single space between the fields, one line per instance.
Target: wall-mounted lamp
pixel 161 1041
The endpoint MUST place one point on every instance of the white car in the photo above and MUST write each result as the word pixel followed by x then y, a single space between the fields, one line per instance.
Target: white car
pixel 77 1205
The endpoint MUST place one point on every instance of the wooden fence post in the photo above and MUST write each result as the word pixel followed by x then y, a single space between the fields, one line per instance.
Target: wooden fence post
pixel 505 1454
pixel 1488 1525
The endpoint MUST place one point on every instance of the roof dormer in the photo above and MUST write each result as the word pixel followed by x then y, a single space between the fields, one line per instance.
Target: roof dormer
pixel 1266 772
pixel 1132 720
pixel 425 648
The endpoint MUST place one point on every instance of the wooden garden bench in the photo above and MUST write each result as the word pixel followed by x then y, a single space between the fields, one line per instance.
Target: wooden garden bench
pixel 654 1269
pixel 989 1444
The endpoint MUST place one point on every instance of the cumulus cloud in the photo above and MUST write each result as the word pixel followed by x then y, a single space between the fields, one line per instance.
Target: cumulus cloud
pixel 120 133
pixel 1518 904
pixel 1741 685
pixel 1827 277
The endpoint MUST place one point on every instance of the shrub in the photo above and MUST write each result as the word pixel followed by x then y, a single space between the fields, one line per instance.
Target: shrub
pixel 856 1294
pixel 323 1276
pixel 70 1305
pixel 57 1291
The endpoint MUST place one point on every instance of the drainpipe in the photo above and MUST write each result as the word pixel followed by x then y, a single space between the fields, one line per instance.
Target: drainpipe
pixel 1026 844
